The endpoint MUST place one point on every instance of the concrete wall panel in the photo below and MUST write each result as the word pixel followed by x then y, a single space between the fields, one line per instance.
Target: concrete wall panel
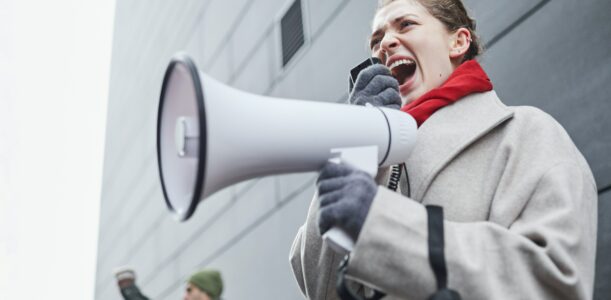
pixel 562 67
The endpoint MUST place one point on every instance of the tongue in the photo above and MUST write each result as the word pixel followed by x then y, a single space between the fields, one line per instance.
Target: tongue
pixel 403 72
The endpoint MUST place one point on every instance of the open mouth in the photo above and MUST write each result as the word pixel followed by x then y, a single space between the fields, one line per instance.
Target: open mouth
pixel 403 70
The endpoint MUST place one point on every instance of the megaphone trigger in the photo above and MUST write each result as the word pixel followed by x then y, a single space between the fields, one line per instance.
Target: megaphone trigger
pixel 338 240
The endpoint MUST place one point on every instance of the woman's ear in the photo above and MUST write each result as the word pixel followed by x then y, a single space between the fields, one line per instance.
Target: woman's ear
pixel 460 41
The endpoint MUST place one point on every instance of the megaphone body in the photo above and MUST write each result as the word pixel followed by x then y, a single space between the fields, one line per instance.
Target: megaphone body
pixel 210 136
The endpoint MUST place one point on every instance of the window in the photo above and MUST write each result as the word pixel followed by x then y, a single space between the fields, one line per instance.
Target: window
pixel 292 32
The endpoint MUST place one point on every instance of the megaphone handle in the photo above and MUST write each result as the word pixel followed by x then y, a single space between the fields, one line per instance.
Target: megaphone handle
pixel 364 158
pixel 338 240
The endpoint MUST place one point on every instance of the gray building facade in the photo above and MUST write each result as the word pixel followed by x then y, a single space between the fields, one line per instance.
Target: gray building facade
pixel 554 55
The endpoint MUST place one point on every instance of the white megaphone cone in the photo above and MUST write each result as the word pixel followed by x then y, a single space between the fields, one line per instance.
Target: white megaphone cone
pixel 210 136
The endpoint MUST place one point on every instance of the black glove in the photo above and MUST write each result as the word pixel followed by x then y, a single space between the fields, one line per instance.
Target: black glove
pixel 375 85
pixel 132 292
pixel 345 195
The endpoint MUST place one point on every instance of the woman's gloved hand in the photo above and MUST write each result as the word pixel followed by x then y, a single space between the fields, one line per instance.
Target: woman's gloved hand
pixel 375 85
pixel 345 195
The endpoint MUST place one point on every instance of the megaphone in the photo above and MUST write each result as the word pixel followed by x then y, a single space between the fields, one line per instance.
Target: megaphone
pixel 210 136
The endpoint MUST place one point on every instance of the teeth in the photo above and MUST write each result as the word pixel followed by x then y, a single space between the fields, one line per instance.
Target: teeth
pixel 401 62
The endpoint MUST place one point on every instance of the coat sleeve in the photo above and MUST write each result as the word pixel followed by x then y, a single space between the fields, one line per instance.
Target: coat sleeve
pixel 548 252
pixel 314 264
pixel 295 260
pixel 132 292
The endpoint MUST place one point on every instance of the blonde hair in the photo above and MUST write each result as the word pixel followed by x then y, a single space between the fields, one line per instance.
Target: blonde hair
pixel 453 15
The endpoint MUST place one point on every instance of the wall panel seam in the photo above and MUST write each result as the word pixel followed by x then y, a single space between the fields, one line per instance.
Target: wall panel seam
pixel 515 24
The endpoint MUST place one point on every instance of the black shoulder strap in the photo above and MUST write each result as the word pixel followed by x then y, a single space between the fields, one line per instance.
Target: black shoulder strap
pixel 436 253
pixel 436 245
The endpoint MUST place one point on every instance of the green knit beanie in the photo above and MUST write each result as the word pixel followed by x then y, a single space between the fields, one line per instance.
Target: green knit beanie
pixel 209 281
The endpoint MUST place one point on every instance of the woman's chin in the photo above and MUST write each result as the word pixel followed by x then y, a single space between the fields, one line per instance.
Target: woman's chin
pixel 410 95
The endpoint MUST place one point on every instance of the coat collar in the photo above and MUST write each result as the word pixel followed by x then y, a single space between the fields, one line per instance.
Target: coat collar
pixel 448 132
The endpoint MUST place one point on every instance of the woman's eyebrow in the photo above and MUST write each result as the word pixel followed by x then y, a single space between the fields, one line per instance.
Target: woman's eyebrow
pixel 401 17
pixel 380 31
pixel 396 20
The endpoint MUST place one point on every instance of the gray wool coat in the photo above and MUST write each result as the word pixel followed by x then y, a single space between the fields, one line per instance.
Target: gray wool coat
pixel 520 206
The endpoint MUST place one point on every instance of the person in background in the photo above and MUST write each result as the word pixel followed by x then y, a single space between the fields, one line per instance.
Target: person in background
pixel 203 285
pixel 126 280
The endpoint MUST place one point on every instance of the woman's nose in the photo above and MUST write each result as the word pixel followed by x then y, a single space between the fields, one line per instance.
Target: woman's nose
pixel 389 43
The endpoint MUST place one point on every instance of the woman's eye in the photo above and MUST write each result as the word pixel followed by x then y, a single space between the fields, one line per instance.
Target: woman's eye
pixel 374 43
pixel 405 24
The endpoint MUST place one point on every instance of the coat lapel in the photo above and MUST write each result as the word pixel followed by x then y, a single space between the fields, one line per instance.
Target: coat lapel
pixel 448 132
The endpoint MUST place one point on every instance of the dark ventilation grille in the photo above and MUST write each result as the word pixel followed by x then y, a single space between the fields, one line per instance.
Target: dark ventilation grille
pixel 292 32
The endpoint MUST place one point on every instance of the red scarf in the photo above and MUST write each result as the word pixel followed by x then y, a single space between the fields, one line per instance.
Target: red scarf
pixel 467 79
